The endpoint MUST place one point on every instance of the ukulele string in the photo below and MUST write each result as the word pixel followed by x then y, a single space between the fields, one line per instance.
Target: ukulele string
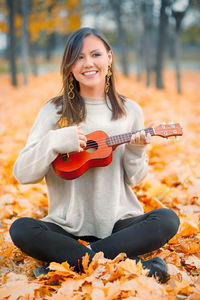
pixel 113 141
pixel 100 142
pixel 125 138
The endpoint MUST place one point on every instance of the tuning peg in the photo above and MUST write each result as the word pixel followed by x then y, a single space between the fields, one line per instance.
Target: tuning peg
pixel 172 124
pixel 176 138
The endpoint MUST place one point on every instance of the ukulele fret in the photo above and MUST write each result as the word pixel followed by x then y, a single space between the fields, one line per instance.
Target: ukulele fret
pixel 125 138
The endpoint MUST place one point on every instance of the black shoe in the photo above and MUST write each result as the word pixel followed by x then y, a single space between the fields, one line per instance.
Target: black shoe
pixel 41 270
pixel 157 267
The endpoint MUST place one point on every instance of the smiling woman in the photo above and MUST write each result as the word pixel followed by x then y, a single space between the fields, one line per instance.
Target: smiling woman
pixel 91 67
pixel 99 206
pixel 87 51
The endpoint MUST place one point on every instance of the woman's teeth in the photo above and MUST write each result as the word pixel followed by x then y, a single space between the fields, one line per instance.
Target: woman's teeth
pixel 89 73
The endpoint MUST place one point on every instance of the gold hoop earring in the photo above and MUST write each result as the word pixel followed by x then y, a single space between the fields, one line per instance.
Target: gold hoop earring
pixel 108 76
pixel 71 93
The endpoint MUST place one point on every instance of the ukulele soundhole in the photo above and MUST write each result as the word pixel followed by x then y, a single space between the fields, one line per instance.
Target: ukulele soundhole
pixel 91 146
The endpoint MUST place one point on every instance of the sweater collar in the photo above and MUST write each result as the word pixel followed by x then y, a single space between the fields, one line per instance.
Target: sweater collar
pixel 94 101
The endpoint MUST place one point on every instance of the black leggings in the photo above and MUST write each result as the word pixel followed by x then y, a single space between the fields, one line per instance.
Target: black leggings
pixel 134 236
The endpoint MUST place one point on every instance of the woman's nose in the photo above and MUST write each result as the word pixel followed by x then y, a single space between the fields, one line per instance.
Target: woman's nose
pixel 88 62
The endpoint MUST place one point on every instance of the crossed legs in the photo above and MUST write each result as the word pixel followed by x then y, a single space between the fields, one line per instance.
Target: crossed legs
pixel 134 236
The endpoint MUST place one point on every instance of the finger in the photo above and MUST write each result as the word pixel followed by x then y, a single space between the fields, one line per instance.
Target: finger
pixel 145 138
pixel 137 138
pixel 133 139
pixel 142 137
pixel 82 143
pixel 82 137
pixel 148 138
pixel 79 130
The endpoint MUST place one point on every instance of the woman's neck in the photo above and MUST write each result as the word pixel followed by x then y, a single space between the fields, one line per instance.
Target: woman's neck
pixel 92 93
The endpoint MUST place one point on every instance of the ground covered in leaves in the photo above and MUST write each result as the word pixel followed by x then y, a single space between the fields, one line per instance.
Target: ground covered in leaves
pixel 173 182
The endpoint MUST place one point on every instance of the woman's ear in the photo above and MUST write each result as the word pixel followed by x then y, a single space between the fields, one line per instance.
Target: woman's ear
pixel 110 55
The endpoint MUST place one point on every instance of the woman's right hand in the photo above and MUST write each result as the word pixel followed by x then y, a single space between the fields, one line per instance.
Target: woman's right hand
pixel 81 138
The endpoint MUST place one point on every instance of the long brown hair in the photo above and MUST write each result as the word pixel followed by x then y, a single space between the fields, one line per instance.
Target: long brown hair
pixel 74 110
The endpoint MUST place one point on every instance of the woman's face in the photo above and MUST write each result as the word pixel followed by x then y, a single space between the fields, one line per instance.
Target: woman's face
pixel 91 67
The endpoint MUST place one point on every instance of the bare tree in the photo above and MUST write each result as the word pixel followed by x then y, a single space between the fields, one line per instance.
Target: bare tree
pixel 12 41
pixel 138 31
pixel 33 58
pixel 25 39
pixel 33 49
pixel 148 26
pixel 162 40
pixel 50 41
pixel 178 16
pixel 117 10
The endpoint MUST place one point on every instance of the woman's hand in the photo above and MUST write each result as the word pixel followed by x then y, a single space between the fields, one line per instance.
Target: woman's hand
pixel 82 138
pixel 140 138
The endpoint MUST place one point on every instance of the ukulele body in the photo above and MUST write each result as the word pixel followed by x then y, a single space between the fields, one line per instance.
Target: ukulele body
pixel 79 162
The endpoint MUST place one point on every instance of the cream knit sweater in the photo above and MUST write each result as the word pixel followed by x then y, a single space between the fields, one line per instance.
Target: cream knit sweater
pixel 92 203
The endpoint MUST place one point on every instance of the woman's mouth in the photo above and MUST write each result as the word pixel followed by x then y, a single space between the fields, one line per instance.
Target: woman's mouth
pixel 90 74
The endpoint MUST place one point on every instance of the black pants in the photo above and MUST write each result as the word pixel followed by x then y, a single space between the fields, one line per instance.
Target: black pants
pixel 134 236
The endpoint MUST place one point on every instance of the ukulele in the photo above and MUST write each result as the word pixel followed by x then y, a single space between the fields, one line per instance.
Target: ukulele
pixel 99 147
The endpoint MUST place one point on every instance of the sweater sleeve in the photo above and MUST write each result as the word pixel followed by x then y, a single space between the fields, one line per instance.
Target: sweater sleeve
pixel 44 143
pixel 135 160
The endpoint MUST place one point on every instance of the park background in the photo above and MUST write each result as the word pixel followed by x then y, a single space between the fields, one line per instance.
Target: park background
pixel 156 45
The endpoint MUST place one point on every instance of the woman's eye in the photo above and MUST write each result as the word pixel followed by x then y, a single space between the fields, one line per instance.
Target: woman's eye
pixel 96 54
pixel 80 57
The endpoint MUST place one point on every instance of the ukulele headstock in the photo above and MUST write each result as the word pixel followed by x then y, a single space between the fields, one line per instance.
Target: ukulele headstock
pixel 168 130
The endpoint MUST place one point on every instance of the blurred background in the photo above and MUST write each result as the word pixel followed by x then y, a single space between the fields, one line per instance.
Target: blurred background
pixel 146 35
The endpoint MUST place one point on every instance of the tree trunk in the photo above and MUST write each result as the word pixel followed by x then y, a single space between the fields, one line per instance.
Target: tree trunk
pixel 117 10
pixel 137 25
pixel 178 16
pixel 50 42
pixel 50 45
pixel 32 46
pixel 25 41
pixel 148 18
pixel 12 42
pixel 34 66
pixel 162 39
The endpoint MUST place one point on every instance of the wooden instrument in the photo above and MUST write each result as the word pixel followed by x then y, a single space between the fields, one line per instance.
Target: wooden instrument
pixel 99 147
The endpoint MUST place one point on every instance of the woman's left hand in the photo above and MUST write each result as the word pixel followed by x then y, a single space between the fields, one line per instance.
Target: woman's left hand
pixel 140 138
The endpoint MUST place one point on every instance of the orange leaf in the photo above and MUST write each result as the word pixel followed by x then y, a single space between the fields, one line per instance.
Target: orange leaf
pixel 83 242
pixel 193 261
pixel 119 257
pixel 182 287
pixel 18 287
pixel 190 246
pixel 98 294
pixel 189 226
pixel 62 269
pixel 130 266
pixel 85 262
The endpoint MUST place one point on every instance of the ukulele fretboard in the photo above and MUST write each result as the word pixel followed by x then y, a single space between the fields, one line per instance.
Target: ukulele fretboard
pixel 125 138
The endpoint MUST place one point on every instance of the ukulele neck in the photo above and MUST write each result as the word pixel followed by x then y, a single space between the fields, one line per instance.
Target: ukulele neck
pixel 126 137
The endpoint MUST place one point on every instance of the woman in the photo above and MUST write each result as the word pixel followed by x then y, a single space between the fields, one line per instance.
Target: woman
pixel 100 206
